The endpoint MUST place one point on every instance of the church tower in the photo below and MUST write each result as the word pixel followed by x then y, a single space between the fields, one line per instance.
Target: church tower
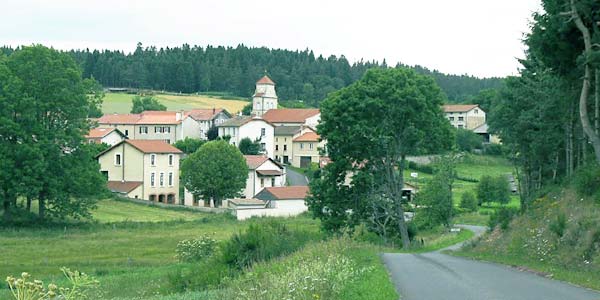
pixel 264 97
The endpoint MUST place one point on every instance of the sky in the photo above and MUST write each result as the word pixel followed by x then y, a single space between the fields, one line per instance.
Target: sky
pixel 475 37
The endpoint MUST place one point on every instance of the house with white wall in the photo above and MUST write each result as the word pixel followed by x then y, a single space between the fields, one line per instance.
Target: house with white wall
pixel 254 128
pixel 197 122
pixel 306 148
pixel 263 172
pixel 285 201
pixel 293 117
pixel 142 169
pixel 101 135
pixel 465 116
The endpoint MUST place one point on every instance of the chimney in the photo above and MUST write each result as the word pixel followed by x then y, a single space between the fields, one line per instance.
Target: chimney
pixel 178 116
pixel 214 110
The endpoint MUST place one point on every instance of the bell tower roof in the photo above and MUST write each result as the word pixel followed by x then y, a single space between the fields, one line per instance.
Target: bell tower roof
pixel 265 80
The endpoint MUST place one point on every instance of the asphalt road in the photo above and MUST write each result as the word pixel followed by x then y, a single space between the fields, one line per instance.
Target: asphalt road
pixel 295 178
pixel 434 275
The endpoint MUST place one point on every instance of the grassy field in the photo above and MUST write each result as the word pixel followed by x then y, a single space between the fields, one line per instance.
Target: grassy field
pixel 121 102
pixel 472 166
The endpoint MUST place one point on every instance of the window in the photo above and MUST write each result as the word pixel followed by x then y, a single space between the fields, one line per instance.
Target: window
pixel 461 118
pixel 152 176
pixel 451 118
pixel 126 132
pixel 262 182
pixel 272 181
pixel 170 159
pixel 284 147
pixel 285 139
pixel 310 146
pixel 476 111
pixel 168 141
pixel 161 179
pixel 262 132
pixel 168 129
pixel 461 126
pixel 143 129
pixel 156 129
pixel 118 159
pixel 276 140
pixel 263 146
pixel 301 145
pixel 276 147
pixel 170 178
pixel 153 160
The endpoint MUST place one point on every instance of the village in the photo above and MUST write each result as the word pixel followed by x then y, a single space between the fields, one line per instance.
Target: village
pixel 142 164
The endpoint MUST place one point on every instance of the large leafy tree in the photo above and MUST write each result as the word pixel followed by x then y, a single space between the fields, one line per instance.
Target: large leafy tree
pixel 249 147
pixel 216 171
pixel 140 104
pixel 436 197
pixel 370 127
pixel 43 115
pixel 189 145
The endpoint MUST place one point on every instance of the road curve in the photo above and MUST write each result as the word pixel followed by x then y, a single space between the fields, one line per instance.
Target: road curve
pixel 435 275
pixel 295 178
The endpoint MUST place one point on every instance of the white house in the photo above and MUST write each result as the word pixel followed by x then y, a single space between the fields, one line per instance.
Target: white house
pixel 293 117
pixel 285 201
pixel 262 172
pixel 264 97
pixel 110 136
pixel 254 128
pixel 197 122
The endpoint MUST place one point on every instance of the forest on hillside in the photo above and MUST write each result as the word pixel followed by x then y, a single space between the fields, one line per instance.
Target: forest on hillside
pixel 299 75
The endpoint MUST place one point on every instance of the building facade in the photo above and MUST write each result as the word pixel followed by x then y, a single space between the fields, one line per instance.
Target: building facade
pixel 264 97
pixel 142 169
pixel 306 147
pixel 109 136
pixel 465 116
pixel 254 128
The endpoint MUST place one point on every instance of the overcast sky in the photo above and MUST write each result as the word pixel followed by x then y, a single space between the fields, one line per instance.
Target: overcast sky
pixel 477 37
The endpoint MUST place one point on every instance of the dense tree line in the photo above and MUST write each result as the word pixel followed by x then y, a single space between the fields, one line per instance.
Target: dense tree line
pixel 298 74
pixel 549 115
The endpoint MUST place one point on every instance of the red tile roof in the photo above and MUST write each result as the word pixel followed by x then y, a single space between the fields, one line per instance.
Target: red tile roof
pixel 255 161
pixel 97 133
pixel 152 146
pixel 147 117
pixel 290 115
pixel 265 80
pixel 123 186
pixel 459 107
pixel 288 192
pixel 308 137
pixel 203 114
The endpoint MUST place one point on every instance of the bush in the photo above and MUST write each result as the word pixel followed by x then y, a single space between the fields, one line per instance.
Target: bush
pixel 493 189
pixel 260 243
pixel 502 217
pixel 196 249
pixel 467 140
pixel 493 149
pixel 559 225
pixel 427 169
pixel 587 181
pixel 468 202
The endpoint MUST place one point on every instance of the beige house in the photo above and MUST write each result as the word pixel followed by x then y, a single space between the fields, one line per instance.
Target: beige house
pixel 483 131
pixel 142 169
pixel 305 148
pixel 284 135
pixel 109 136
pixel 467 116
pixel 167 126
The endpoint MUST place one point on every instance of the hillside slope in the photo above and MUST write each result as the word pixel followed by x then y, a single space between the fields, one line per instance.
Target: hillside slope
pixel 559 237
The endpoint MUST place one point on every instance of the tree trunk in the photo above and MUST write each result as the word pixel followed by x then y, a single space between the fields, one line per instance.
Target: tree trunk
pixel 28 203
pixel 401 221
pixel 585 89
pixel 42 208
pixel 597 102
pixel 7 213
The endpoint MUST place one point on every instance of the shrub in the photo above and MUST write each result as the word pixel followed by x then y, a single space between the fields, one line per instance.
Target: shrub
pixel 502 217
pixel 467 140
pixel 493 149
pixel 468 202
pixel 269 240
pixel 587 181
pixel 23 289
pixel 493 189
pixel 196 249
pixel 559 225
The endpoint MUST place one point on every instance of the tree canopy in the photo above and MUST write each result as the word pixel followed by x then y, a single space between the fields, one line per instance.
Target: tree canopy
pixel 144 103
pixel 234 70
pixel 217 170
pixel 44 106
pixel 397 112
pixel 249 147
